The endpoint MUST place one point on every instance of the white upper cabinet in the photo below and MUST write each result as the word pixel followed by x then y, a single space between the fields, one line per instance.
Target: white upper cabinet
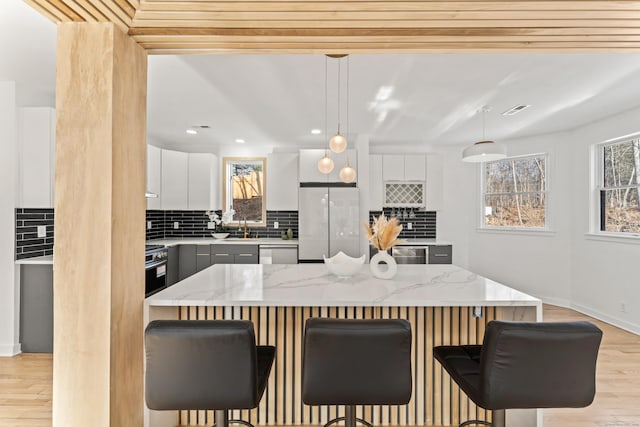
pixel 36 133
pixel 309 165
pixel 188 181
pixel 282 182
pixel 393 167
pixel 434 196
pixel 399 167
pixel 175 180
pixel 376 186
pixel 201 180
pixel 154 176
pixel 414 167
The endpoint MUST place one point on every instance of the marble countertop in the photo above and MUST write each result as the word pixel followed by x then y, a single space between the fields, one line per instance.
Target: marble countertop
pixel 47 259
pixel 227 241
pixel 310 285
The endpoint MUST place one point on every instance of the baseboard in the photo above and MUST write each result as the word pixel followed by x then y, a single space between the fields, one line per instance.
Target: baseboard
pixel 622 324
pixel 559 302
pixel 9 350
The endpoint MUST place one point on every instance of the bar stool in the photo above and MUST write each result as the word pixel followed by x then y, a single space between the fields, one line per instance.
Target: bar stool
pixel 524 365
pixel 205 365
pixel 356 362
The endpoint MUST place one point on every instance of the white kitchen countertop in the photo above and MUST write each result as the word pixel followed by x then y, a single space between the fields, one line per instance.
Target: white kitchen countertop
pixel 227 241
pixel 312 285
pixel 47 259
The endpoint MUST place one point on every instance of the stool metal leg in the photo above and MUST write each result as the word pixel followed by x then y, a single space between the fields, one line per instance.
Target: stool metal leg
pixel 222 418
pixel 498 417
pixel 349 418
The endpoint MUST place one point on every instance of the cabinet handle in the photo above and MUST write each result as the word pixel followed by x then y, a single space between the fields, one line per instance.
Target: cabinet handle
pixel 222 254
pixel 245 254
pixel 440 254
pixel 202 254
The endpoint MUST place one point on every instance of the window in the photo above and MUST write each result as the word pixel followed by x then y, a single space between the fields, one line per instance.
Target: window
pixel 244 190
pixel 515 192
pixel 619 186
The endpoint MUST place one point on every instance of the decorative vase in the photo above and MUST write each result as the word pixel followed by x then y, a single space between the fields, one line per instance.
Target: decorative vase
pixel 382 257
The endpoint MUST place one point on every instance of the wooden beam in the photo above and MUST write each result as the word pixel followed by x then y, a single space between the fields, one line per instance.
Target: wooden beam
pixel 99 247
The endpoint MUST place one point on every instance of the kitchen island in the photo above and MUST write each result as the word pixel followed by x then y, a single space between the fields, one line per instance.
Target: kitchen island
pixel 445 304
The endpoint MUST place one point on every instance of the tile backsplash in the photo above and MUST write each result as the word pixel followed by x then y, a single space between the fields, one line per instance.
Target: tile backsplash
pixel 423 224
pixel 28 244
pixel 194 224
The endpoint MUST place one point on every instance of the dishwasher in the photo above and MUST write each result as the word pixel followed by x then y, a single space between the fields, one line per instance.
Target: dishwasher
pixel 278 254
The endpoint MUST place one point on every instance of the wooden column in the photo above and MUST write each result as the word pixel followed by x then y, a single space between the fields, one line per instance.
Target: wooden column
pixel 99 227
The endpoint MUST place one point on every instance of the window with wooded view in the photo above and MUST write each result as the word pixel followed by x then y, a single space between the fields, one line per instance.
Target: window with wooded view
pixel 620 187
pixel 515 192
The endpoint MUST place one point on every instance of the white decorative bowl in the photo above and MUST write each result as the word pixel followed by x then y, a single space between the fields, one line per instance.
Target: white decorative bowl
pixel 219 235
pixel 343 265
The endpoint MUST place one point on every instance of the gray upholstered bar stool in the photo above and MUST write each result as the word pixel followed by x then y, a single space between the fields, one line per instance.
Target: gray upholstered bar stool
pixel 356 362
pixel 205 365
pixel 524 365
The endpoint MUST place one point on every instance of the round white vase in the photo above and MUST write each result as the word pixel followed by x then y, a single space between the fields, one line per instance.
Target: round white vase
pixel 379 270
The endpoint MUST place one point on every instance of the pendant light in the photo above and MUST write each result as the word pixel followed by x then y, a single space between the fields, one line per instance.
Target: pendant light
pixel 347 173
pixel 484 151
pixel 325 164
pixel 338 143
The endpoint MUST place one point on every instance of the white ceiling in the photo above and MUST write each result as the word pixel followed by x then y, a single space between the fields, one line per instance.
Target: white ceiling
pixel 275 100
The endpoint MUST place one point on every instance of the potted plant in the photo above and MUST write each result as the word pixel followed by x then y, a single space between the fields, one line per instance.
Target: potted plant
pixel 383 235
pixel 220 231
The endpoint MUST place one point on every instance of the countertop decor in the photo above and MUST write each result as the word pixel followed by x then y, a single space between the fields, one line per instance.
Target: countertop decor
pixel 342 265
pixel 383 235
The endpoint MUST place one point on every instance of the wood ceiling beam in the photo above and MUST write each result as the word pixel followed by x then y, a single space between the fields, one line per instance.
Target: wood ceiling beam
pixel 309 26
pixel 369 6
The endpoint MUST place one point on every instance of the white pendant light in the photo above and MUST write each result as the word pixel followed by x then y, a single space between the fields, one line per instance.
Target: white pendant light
pixel 325 164
pixel 338 143
pixel 347 173
pixel 484 151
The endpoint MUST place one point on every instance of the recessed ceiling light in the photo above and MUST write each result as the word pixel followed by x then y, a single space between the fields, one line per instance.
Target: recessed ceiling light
pixel 316 131
pixel 240 141
pixel 192 131
pixel 515 110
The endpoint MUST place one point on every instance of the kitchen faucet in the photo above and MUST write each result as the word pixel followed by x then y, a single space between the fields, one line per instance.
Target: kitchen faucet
pixel 246 233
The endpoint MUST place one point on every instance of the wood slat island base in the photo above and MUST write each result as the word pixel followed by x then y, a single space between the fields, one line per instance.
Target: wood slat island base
pixel 288 295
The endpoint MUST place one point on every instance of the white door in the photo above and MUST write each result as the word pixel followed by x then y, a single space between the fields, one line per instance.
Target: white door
pixel 313 220
pixel 344 228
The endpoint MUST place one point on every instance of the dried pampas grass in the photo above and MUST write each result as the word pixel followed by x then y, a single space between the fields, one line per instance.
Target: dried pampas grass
pixel 383 233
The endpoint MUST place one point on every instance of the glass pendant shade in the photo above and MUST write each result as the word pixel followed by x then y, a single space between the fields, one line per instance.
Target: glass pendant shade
pixel 347 173
pixel 338 143
pixel 484 151
pixel 325 164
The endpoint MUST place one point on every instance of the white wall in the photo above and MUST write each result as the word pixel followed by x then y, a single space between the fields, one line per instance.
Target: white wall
pixel 9 295
pixel 605 274
pixel 564 267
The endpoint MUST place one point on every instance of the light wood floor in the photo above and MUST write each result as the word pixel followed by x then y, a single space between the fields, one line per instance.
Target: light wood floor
pixel 25 384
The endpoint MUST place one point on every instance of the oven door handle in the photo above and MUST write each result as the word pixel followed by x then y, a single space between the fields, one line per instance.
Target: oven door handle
pixel 155 264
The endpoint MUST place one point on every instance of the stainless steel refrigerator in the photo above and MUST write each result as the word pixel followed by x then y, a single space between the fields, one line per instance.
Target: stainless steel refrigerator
pixel 328 222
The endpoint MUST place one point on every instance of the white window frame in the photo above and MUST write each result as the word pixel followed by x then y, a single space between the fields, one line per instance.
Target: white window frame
pixel 597 185
pixel 546 230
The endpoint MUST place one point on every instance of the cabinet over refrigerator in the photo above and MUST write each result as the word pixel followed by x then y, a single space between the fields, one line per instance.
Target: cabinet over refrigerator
pixel 328 221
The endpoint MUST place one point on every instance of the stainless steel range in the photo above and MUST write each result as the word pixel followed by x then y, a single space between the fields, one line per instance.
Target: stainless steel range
pixel 155 265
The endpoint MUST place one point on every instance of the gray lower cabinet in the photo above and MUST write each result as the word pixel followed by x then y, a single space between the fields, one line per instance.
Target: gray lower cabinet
pixel 36 308
pixel 235 254
pixel 440 254
pixel 173 265
pixel 187 261
pixel 203 257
